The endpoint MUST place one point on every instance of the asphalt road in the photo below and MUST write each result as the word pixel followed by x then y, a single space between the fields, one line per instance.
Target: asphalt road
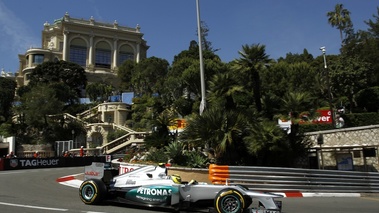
pixel 31 191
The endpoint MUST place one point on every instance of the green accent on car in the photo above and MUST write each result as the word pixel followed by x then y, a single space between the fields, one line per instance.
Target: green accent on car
pixel 151 194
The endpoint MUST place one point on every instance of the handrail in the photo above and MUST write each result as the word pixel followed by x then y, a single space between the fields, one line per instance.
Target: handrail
pixel 123 128
pixel 88 113
pixel 305 180
pixel 121 142
pixel 67 115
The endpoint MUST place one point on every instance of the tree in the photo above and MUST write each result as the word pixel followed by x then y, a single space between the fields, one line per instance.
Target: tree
pixel 70 74
pixel 368 99
pixel 99 92
pixel 149 75
pixel 252 60
pixel 295 103
pixel 222 88
pixel 182 83
pixel 271 146
pixel 340 18
pixel 365 46
pixel 293 58
pixel 36 106
pixel 160 136
pixel 7 91
pixel 349 76
pixel 219 130
pixel 206 44
pixel 125 72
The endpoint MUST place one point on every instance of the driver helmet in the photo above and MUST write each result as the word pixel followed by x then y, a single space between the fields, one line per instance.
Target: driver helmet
pixel 176 178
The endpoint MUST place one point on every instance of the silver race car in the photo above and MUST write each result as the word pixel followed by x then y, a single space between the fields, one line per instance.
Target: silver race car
pixel 151 186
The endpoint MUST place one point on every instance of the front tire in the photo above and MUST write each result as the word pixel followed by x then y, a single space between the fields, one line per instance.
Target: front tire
pixel 92 191
pixel 229 201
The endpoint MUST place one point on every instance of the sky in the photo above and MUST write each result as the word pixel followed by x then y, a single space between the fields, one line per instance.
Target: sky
pixel 283 26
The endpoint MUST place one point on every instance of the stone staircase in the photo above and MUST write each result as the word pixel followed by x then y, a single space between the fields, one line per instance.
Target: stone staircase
pixel 122 142
pixel 132 137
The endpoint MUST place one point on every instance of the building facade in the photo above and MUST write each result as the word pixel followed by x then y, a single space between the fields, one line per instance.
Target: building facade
pixel 100 48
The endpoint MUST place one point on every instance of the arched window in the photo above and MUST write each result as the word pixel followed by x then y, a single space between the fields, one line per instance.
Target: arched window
pixel 38 58
pixel 78 51
pixel 103 55
pixel 125 53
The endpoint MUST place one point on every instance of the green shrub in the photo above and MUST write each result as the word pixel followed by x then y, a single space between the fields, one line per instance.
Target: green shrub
pixel 115 134
pixel 368 99
pixel 174 151
pixel 314 127
pixel 196 160
pixel 157 155
pixel 361 119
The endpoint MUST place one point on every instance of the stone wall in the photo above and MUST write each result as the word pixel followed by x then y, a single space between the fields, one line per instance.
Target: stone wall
pixel 27 150
pixel 353 141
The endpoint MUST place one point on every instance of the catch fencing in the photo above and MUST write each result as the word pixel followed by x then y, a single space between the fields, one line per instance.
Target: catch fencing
pixel 292 179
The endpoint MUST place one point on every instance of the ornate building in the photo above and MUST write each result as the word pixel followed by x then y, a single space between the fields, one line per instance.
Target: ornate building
pixel 100 48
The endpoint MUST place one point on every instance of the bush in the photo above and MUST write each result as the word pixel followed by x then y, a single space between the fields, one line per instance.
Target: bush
pixel 157 155
pixel 314 127
pixel 196 160
pixel 361 119
pixel 115 134
pixel 368 99
pixel 174 151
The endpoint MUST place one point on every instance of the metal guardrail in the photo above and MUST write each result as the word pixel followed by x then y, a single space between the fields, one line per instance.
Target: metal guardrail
pixel 292 179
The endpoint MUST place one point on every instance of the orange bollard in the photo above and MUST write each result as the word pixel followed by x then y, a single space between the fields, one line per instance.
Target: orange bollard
pixel 218 174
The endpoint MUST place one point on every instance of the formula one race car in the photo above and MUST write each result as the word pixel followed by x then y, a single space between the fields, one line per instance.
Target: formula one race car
pixel 151 186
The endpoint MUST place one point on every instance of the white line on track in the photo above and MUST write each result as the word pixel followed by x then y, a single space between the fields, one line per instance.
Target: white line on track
pixel 95 212
pixel 33 207
pixel 10 172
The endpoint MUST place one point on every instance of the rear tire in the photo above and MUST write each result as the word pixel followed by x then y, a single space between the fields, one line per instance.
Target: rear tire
pixel 92 191
pixel 229 201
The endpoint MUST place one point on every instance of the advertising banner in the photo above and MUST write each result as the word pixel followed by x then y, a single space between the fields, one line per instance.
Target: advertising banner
pixel 345 161
pixel 125 168
pixel 33 163
pixel 94 171
pixel 325 116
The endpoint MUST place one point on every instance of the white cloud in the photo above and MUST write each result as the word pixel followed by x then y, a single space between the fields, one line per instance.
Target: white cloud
pixel 15 34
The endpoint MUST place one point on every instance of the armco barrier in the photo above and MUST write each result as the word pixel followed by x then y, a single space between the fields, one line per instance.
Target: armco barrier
pixel 292 179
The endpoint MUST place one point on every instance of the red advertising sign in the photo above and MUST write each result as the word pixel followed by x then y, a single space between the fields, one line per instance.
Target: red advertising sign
pixel 325 116
pixel 126 168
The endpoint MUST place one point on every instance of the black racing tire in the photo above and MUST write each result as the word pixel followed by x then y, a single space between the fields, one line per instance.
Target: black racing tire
pixel 92 191
pixel 229 201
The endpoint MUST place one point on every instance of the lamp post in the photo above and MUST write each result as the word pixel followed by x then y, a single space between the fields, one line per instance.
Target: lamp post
pixel 323 50
pixel 320 141
pixel 73 136
pixel 202 81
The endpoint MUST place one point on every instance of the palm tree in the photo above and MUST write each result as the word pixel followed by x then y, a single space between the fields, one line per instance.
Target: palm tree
pixel 221 90
pixel 271 146
pixel 160 137
pixel 267 143
pixel 252 60
pixel 296 102
pixel 340 18
pixel 217 129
